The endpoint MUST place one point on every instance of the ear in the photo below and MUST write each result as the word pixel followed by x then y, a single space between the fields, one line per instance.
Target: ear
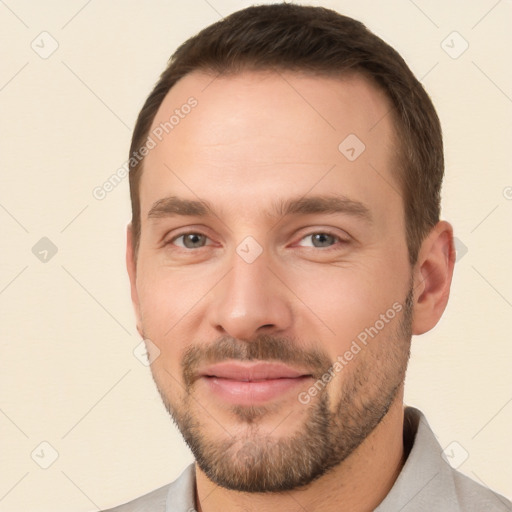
pixel 432 277
pixel 131 266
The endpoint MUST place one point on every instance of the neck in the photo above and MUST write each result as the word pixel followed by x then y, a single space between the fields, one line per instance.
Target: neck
pixel 358 484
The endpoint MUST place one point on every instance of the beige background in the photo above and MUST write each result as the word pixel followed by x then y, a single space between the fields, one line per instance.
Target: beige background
pixel 68 373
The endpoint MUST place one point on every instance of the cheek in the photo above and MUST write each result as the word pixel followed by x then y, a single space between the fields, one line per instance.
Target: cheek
pixel 162 308
pixel 166 296
pixel 172 302
pixel 337 304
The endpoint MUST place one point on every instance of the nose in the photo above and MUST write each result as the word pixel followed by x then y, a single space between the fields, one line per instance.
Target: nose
pixel 250 300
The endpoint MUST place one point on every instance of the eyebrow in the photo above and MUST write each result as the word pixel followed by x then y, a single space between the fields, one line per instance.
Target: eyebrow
pixel 176 206
pixel 171 206
pixel 323 204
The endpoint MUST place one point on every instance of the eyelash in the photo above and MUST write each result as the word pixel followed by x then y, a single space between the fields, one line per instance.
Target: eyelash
pixel 181 235
pixel 339 240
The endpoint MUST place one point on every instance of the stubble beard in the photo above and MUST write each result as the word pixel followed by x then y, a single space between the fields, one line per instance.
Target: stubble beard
pixel 258 462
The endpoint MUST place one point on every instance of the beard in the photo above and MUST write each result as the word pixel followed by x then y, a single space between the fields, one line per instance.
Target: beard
pixel 334 425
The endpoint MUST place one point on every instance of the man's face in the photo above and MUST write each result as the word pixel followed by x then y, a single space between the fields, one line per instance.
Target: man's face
pixel 273 272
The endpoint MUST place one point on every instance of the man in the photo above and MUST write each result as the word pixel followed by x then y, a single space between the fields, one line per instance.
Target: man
pixel 285 245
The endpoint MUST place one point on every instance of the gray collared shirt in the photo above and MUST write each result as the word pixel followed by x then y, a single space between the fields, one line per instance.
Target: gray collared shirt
pixel 426 483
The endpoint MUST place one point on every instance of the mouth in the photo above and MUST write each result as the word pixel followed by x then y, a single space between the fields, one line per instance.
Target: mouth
pixel 252 383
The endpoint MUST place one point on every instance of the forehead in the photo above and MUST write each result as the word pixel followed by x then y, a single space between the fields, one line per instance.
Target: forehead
pixel 270 101
pixel 282 128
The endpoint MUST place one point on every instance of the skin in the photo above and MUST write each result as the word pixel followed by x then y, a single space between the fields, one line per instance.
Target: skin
pixel 252 141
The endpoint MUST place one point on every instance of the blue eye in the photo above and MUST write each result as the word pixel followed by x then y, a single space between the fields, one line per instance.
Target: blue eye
pixel 190 240
pixel 320 240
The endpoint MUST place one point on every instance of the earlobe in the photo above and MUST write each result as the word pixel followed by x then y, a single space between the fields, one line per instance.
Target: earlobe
pixel 131 267
pixel 432 277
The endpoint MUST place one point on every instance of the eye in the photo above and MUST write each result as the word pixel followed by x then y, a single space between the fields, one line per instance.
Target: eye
pixel 320 240
pixel 190 240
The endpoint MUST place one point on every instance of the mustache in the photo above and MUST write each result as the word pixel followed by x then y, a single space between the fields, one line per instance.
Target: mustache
pixel 264 347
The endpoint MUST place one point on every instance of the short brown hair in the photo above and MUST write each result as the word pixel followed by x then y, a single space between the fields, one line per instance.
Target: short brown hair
pixel 319 41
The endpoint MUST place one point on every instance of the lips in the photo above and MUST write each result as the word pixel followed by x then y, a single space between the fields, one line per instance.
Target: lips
pixel 246 372
pixel 252 382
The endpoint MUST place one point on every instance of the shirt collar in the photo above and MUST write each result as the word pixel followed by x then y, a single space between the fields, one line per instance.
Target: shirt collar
pixel 426 477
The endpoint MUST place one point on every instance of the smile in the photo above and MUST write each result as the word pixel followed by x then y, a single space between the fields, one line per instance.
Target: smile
pixel 253 383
